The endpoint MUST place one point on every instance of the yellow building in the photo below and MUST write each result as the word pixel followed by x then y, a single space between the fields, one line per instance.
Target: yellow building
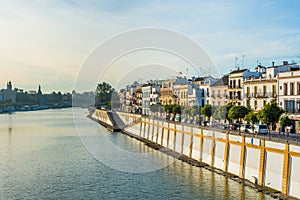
pixel 166 93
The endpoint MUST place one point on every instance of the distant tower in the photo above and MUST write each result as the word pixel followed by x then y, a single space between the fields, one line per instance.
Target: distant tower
pixel 9 86
pixel 39 90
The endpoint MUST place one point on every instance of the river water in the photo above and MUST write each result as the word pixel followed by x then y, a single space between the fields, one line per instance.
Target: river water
pixel 42 157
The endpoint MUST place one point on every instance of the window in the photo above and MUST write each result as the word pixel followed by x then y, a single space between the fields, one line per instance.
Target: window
pixel 255 105
pixel 264 90
pixel 291 88
pixel 265 102
pixel 273 90
pixel 248 90
pixel 255 91
pixel 285 89
pixel 248 103
pixel 289 106
pixel 298 88
pixel 239 83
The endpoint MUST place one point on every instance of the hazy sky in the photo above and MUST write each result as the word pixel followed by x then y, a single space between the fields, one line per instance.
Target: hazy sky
pixel 46 41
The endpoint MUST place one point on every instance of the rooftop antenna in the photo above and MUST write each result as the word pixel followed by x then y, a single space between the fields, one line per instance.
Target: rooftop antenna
pixel 243 61
pixel 235 61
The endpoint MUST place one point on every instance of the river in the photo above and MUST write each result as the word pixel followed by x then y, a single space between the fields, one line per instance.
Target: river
pixel 43 157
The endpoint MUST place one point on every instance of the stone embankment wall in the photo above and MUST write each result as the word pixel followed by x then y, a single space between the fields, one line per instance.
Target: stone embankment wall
pixel 102 117
pixel 265 163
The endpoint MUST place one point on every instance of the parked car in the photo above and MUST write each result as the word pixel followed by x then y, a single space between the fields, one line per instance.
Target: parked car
pixel 260 129
pixel 234 126
pixel 245 127
pixel 177 118
pixel 213 123
pixel 223 126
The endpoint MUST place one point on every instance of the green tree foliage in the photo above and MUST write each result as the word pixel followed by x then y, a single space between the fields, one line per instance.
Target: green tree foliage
pixel 285 121
pixel 228 106
pixel 206 111
pixel 195 110
pixel 169 108
pixel 103 94
pixel 219 112
pixel 187 112
pixel 251 117
pixel 157 108
pixel 238 112
pixel 176 109
pixel 270 113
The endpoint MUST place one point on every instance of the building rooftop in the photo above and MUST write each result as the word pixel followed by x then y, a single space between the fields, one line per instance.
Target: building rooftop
pixel 222 81
pixel 237 71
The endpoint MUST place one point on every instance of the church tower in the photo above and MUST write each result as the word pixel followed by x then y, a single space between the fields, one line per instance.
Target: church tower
pixel 39 90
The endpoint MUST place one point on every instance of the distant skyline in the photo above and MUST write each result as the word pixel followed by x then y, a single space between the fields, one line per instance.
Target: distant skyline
pixel 46 41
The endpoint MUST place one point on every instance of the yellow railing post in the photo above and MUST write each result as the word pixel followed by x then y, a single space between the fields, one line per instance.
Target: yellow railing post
pixel 201 145
pixel 226 153
pixel 286 170
pixel 242 158
pixel 262 163
pixel 212 151
pixel 191 143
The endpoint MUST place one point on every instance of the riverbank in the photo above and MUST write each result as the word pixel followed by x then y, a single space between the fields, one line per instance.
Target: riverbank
pixel 27 108
pixel 264 165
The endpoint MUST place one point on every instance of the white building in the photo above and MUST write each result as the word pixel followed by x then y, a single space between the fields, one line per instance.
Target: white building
pixel 219 92
pixel 146 90
pixel 259 91
pixel 236 84
pixel 289 91
pixel 204 89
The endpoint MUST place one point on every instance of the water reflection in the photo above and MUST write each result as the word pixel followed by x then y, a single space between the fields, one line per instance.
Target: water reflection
pixel 49 162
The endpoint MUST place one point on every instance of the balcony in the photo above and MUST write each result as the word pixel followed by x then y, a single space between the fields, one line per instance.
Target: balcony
pixel 235 98
pixel 260 95
pixel 234 87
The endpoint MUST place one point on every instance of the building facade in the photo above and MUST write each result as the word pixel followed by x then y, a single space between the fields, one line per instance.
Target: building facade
pixel 219 92
pixel 8 94
pixel 289 91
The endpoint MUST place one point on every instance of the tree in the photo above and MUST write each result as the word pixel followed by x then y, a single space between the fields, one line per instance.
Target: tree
pixel 187 112
pixel 238 112
pixel 270 114
pixel 219 112
pixel 206 111
pixel 194 111
pixel 103 94
pixel 285 121
pixel 155 108
pixel 169 108
pixel 176 109
pixel 251 117
pixel 228 106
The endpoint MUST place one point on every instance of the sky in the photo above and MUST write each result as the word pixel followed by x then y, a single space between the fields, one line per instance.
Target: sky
pixel 48 41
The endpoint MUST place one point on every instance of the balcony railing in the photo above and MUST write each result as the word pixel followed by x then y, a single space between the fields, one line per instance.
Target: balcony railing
pixel 235 98
pixel 260 95
pixel 235 87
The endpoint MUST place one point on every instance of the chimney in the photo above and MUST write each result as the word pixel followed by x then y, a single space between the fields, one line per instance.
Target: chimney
pixel 273 63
